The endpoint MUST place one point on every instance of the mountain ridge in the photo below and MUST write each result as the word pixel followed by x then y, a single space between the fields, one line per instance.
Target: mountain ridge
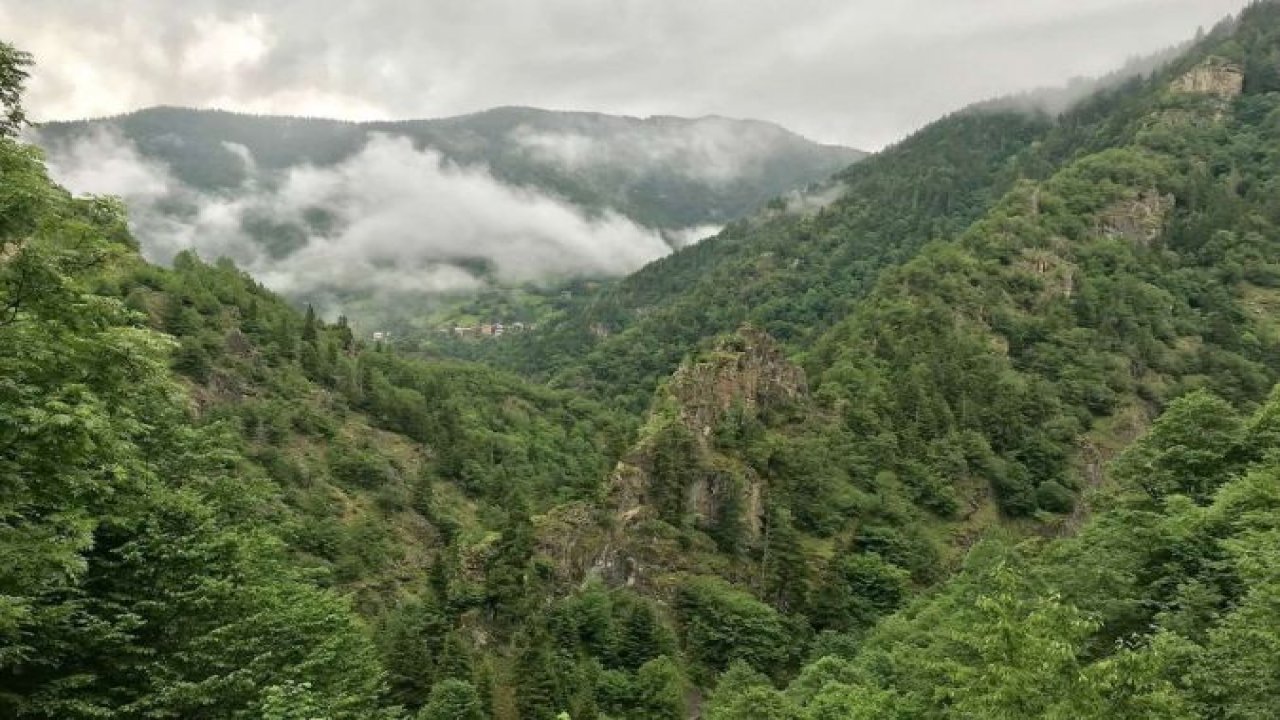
pixel 994 434
pixel 148 126
pixel 361 217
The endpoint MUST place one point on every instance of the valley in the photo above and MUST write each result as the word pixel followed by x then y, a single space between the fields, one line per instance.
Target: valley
pixel 982 425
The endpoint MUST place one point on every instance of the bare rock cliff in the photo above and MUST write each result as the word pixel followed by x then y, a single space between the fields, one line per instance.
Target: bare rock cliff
pixel 1215 76
pixel 740 381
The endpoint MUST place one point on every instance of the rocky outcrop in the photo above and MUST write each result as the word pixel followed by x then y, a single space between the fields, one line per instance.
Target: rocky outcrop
pixel 1215 76
pixel 1056 275
pixel 748 372
pixel 743 379
pixel 1140 219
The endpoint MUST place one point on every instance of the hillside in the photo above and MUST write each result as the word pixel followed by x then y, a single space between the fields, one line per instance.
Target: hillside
pixel 985 428
pixel 796 270
pixel 664 172
pixel 792 270
pixel 220 504
pixel 320 208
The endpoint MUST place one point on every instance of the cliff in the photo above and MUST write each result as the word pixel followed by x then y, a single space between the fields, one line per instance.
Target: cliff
pixel 1215 76
pixel 682 490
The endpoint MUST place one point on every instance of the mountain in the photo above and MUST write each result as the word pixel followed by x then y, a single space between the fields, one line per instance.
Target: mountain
pixel 987 428
pixel 337 212
pixel 664 172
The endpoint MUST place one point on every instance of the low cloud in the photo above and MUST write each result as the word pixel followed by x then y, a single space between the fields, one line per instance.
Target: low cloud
pixel 691 236
pixel 712 150
pixel 103 164
pixel 389 219
pixel 814 199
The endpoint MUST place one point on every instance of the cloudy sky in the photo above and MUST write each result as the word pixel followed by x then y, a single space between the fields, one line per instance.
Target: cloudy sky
pixel 856 72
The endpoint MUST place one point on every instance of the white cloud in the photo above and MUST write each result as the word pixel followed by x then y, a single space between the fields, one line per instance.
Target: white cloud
pixel 692 235
pixel 405 220
pixel 715 150
pixel 857 72
pixel 226 45
pixel 103 164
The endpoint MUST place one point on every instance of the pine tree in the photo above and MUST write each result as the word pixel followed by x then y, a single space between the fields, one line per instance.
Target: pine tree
pixel 452 700
pixel 454 660
pixel 309 325
pixel 784 568
pixel 14 71
pixel 537 689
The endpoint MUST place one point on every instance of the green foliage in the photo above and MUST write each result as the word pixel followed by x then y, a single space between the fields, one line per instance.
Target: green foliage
pixel 410 639
pixel 1196 441
pixel 217 506
pixel 116 499
pixel 857 590
pixel 790 273
pixel 722 624
pixel 14 65
pixel 676 467
pixel 742 692
pixel 1149 613
pixel 452 700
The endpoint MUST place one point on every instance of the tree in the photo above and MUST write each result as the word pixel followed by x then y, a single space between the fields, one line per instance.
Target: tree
pixel 660 689
pixel 1190 450
pixel 641 636
pixel 309 325
pixel 409 637
pixel 539 695
pixel 675 465
pixel 452 699
pixel 857 590
pixel 742 693
pixel 14 66
pixel 722 624
pixel 784 566
pixel 454 660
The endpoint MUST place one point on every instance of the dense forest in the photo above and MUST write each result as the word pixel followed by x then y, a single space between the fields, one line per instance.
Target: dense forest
pixel 992 434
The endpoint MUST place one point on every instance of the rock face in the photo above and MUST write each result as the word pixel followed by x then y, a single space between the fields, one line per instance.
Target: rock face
pixel 742 379
pixel 1215 76
pixel 748 371
pixel 1140 219
pixel 1056 274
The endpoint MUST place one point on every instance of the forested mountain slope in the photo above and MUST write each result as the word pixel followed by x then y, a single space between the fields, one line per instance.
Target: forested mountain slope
pixel 991 439
pixel 1162 607
pixel 664 172
pixel 791 270
pixel 396 223
pixel 216 506
pixel 989 378
pixel 141 576
pixel 798 271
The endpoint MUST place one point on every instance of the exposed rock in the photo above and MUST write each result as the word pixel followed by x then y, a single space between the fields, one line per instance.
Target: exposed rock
pixel 9 250
pixel 570 536
pixel 1140 219
pixel 1056 273
pixel 627 490
pixel 1215 76
pixel 709 493
pixel 238 344
pixel 749 371
pixel 746 375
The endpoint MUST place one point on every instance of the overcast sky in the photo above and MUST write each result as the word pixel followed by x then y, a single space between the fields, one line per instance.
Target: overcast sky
pixel 856 72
